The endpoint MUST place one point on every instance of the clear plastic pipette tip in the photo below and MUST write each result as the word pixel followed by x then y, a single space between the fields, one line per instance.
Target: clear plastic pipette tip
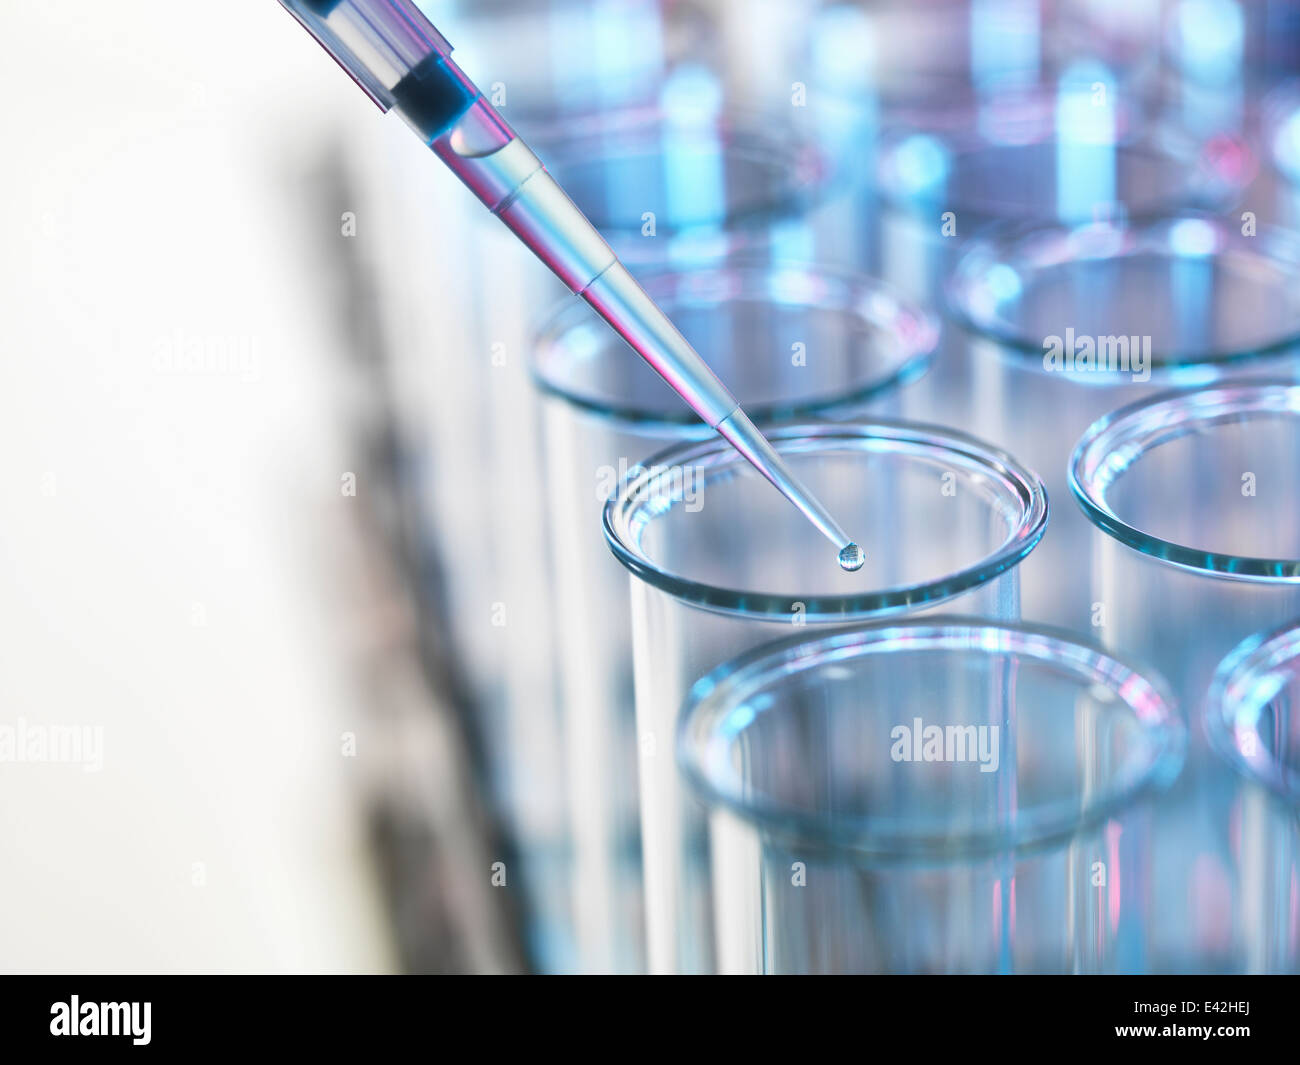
pixel 745 437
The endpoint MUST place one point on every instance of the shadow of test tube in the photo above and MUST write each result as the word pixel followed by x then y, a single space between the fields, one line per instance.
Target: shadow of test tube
pixel 936 795
pixel 1195 495
pixel 720 563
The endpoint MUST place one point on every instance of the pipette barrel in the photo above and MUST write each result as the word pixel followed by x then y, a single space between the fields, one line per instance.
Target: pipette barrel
pixel 392 51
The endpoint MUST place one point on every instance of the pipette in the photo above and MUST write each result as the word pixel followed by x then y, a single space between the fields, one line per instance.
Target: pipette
pixel 392 51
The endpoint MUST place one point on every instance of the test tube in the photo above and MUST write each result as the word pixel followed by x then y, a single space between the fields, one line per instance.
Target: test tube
pixel 1251 722
pixel 1075 150
pixel 797 340
pixel 536 59
pixel 1051 209
pixel 935 795
pixel 686 180
pixel 913 60
pixel 716 569
pixel 1070 322
pixel 1194 493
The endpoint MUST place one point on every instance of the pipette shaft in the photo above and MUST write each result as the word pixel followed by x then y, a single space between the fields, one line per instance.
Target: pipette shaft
pixel 392 51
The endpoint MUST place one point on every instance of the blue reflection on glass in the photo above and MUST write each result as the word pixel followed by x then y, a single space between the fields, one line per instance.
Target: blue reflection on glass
pixel 1209 36
pixel 1005 42
pixel 742 717
pixel 611 48
pixel 1085 141
pixel 1003 283
pixel 1193 238
pixel 793 241
pixel 843 48
pixel 920 166
pixel 1286 145
pixel 693 153
pixel 691 96
pixel 1193 285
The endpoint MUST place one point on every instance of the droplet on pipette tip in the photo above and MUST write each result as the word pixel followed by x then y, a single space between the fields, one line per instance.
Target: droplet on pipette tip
pixel 851 558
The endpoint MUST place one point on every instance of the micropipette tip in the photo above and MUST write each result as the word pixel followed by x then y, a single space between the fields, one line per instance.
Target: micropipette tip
pixel 745 437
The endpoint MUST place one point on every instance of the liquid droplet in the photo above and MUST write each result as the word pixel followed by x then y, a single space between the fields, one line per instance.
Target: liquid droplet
pixel 852 558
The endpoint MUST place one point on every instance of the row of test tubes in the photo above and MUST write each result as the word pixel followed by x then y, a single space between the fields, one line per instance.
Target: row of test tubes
pixel 1014 285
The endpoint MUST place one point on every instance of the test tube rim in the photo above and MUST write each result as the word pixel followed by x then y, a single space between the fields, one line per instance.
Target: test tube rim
pixel 913 330
pixel 1135 429
pixel 1248 679
pixel 993 243
pixel 618 520
pixel 584 136
pixel 945 101
pixel 863 837
pixel 1157 139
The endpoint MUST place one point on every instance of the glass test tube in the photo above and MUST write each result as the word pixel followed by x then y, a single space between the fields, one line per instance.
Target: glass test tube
pixel 682 182
pixel 1080 320
pixel 719 565
pixel 913 59
pixel 1251 721
pixel 980 214
pixel 1195 495
pixel 935 795
pixel 673 183
pixel 795 340
pixel 996 135
pixel 1052 166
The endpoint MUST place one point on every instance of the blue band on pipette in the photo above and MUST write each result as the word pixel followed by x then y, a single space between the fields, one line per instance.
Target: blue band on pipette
pixel 432 98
